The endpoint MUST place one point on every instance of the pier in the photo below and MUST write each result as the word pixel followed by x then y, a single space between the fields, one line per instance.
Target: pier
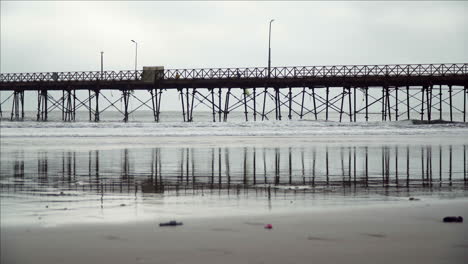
pixel 411 91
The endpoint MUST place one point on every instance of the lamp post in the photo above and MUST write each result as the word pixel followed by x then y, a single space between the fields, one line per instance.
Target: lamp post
pixel 102 63
pixel 269 49
pixel 136 56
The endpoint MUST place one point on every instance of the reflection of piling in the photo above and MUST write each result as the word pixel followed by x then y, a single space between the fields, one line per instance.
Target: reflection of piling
pixel 464 164
pixel 440 165
pixel 407 166
pixel 18 166
pixel 303 166
pixel 290 165
pixel 277 166
pixel 264 166
pixel 396 165
pixel 367 166
pixel 219 163
pixel 314 156
pixel 42 167
pixel 245 165
pixel 191 173
pixel 254 163
pixel 450 165
pixel 326 164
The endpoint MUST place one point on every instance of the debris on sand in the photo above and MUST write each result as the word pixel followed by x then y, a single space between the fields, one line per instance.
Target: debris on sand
pixel 453 219
pixel 268 226
pixel 414 199
pixel 171 223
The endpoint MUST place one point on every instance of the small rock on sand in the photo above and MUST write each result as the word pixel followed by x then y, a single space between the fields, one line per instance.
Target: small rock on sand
pixel 453 219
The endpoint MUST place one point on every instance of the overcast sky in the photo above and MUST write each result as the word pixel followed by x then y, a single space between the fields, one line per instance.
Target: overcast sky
pixel 69 35
pixel 57 36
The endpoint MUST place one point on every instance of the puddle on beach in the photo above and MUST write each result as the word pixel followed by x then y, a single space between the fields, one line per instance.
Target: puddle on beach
pixel 49 186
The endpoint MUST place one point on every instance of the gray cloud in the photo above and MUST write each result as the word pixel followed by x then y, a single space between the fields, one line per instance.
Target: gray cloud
pixel 69 35
pixel 55 36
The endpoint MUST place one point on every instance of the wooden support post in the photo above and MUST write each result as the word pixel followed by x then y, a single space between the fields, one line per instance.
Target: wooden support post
pixel 408 103
pixel 396 103
pixel 422 102
pixel 74 105
pixel 354 103
pixel 315 103
pixel 45 100
pixel 182 102
pixel 384 116
pixel 276 103
pixel 245 105
pixel 213 105
pixel 387 94
pixel 327 92
pixel 126 98
pixel 187 101
pixel 22 105
pixel 255 104
pixel 367 103
pixel 96 112
pixel 89 105
pixel 63 105
pixel 158 106
pixel 342 102
pixel 194 91
pixel 464 103
pixel 440 102
pixel 279 104
pixel 153 103
pixel 350 106
pixel 302 103
pixel 219 105
pixel 429 101
pixel 450 102
pixel 226 105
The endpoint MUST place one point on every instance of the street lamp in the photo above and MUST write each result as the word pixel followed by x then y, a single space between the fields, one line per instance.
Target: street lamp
pixel 136 56
pixel 102 63
pixel 269 49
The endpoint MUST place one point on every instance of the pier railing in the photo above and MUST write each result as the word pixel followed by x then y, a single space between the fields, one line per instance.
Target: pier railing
pixel 248 73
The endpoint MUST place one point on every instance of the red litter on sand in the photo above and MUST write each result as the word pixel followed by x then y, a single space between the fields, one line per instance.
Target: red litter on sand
pixel 268 226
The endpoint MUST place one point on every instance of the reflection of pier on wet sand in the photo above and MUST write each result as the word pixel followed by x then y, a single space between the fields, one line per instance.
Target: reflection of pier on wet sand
pixel 265 170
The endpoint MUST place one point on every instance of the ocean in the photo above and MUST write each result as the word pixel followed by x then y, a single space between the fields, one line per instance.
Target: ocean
pixel 57 173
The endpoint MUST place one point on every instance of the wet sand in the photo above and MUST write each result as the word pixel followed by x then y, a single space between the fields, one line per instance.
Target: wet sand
pixel 408 232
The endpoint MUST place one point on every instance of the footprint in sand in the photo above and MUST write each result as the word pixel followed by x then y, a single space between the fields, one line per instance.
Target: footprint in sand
pixel 224 230
pixel 316 238
pixel 112 237
pixel 254 223
pixel 377 235
pixel 216 251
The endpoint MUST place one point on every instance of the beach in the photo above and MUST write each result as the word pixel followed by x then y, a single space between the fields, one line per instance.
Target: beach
pixel 403 232
pixel 333 192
